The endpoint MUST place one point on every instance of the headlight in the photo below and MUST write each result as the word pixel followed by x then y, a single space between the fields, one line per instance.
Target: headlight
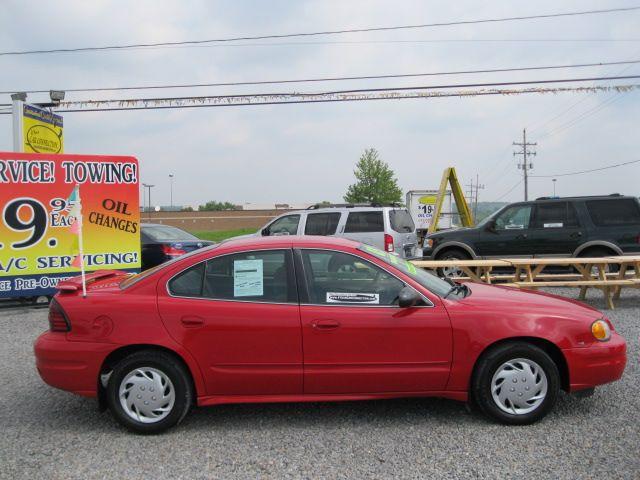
pixel 600 330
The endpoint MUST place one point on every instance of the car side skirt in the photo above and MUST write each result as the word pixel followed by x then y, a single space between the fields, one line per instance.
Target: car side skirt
pixel 229 399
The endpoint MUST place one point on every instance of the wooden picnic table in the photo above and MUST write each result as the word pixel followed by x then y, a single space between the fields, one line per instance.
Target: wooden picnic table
pixel 591 273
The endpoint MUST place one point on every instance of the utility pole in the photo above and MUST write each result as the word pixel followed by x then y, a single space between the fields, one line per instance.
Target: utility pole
pixel 525 165
pixel 473 197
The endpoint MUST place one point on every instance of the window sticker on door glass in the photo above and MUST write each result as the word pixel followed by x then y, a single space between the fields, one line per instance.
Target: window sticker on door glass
pixel 248 278
pixel 553 225
pixel 343 297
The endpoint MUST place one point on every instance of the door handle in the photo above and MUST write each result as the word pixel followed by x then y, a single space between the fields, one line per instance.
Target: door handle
pixel 522 237
pixel 325 324
pixel 192 321
pixel 576 234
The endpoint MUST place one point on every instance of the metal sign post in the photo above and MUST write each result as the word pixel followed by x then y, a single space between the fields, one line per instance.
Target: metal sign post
pixel 18 107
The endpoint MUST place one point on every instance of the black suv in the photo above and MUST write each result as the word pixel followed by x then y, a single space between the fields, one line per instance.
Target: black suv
pixel 573 227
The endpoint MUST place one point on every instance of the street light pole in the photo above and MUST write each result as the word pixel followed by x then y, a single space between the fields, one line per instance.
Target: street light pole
pixel 171 189
pixel 554 186
pixel 148 187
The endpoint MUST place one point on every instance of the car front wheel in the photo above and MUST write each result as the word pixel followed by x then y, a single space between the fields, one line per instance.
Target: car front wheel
pixel 516 383
pixel 149 392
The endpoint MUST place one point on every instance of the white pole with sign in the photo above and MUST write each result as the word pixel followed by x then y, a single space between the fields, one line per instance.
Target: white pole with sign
pixel 18 107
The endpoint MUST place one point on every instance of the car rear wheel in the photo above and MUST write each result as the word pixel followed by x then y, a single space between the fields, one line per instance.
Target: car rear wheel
pixel 516 383
pixel 598 253
pixel 149 392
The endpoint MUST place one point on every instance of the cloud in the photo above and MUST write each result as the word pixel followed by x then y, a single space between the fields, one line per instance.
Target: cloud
pixel 301 153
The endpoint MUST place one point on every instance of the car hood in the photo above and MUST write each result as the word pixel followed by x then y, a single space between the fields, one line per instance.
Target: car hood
pixel 525 302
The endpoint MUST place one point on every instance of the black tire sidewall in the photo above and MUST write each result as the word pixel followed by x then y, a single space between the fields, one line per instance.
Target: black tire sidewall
pixel 492 360
pixel 170 367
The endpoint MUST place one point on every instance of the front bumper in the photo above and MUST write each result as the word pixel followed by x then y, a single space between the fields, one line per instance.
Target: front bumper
pixel 597 364
pixel 71 366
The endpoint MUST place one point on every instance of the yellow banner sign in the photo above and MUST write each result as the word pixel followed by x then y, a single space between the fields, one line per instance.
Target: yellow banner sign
pixel 41 131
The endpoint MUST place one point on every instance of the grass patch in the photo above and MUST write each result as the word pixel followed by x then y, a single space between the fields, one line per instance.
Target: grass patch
pixel 224 234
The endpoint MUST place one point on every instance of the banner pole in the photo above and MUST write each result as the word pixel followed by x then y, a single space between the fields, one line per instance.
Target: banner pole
pixel 81 247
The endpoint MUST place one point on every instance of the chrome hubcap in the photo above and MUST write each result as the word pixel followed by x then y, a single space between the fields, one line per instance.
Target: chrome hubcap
pixel 452 272
pixel 147 395
pixel 519 386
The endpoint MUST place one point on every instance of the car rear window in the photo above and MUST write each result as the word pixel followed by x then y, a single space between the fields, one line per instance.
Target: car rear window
pixel 614 212
pixel 361 222
pixel 166 233
pixel 401 221
pixel 322 223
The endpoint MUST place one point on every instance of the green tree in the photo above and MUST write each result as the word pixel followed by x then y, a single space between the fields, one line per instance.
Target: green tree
pixel 214 206
pixel 376 182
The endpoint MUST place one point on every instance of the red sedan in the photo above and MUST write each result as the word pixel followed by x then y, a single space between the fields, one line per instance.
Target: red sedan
pixel 280 319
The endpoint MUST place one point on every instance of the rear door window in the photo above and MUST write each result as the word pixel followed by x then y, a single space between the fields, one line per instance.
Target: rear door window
pixel 614 212
pixel 555 215
pixel 401 221
pixel 360 222
pixel 322 223
pixel 261 276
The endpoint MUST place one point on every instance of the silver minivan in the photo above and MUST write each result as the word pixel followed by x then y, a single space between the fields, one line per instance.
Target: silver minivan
pixel 389 228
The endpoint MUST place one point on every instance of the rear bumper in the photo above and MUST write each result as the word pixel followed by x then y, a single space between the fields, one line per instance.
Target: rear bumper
pixel 71 366
pixel 597 364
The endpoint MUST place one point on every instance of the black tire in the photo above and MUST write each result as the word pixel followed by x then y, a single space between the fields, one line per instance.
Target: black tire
pixel 601 252
pixel 451 254
pixel 488 365
pixel 170 367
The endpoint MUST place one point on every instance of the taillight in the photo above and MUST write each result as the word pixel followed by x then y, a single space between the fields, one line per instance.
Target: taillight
pixel 58 321
pixel 388 243
pixel 172 251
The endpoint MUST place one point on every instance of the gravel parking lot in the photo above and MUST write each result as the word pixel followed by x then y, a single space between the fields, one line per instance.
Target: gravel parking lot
pixel 48 433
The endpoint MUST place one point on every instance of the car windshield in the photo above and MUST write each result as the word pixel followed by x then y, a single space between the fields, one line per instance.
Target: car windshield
pixel 490 217
pixel 424 278
pixel 166 233
pixel 136 277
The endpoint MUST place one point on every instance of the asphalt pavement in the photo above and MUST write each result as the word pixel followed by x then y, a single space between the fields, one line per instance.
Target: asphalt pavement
pixel 46 433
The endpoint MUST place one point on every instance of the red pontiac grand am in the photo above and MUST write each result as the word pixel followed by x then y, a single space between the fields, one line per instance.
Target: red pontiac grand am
pixel 280 319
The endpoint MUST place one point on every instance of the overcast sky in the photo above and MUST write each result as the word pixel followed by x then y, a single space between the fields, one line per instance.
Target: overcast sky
pixel 306 153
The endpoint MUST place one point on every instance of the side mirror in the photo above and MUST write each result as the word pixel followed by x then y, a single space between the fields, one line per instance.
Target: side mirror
pixel 490 226
pixel 265 232
pixel 408 297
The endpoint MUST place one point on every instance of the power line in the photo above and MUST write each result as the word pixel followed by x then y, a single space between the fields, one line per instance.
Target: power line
pixel 539 126
pixel 587 171
pixel 509 191
pixel 296 98
pixel 584 115
pixel 326 32
pixel 334 79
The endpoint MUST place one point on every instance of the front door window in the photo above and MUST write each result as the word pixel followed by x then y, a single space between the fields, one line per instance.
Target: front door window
pixel 287 225
pixel 514 218
pixel 340 278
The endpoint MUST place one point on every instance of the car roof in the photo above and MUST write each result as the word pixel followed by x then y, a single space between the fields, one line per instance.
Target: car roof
pixel 289 241
pixel 613 196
